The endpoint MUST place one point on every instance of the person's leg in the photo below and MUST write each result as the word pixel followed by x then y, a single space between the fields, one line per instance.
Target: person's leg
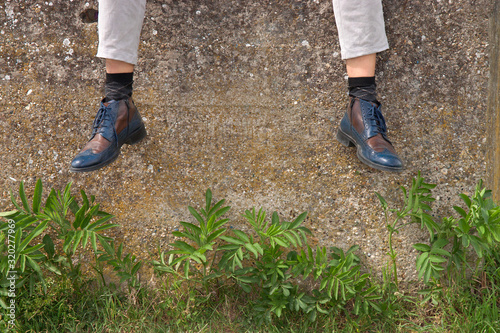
pixel 363 66
pixel 361 77
pixel 117 66
pixel 119 80
pixel 119 26
pixel 117 122
pixel 361 29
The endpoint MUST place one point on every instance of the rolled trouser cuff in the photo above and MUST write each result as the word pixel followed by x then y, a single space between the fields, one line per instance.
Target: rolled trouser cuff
pixel 119 25
pixel 361 28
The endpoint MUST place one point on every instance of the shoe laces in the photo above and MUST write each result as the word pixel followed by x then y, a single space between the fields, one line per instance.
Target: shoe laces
pixel 376 121
pixel 103 122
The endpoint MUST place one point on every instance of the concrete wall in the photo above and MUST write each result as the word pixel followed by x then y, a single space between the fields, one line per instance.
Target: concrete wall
pixel 244 97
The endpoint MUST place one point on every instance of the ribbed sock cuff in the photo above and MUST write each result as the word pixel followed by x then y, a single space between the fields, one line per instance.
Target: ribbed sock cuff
pixel 360 81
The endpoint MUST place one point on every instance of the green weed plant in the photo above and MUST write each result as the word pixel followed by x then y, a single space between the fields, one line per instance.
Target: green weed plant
pixel 269 261
pixel 61 220
pixel 458 247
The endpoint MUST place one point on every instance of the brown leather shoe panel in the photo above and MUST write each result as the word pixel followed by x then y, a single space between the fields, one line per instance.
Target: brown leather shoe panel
pixel 355 116
pixel 121 120
pixel 97 144
pixel 379 144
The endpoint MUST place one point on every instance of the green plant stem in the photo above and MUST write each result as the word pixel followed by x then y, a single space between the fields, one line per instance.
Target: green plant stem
pixel 68 256
pixel 98 268
pixel 403 225
pixel 393 255
pixel 204 269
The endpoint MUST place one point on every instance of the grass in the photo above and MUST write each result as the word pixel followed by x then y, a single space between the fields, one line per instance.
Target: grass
pixel 466 306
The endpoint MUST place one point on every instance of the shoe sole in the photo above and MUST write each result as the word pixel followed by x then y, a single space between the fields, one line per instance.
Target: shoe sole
pixel 347 141
pixel 134 138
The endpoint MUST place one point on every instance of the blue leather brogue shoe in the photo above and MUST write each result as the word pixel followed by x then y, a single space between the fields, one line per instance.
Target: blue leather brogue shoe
pixel 363 126
pixel 116 123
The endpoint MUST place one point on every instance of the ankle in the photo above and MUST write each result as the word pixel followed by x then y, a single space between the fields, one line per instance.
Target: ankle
pixel 118 86
pixel 363 88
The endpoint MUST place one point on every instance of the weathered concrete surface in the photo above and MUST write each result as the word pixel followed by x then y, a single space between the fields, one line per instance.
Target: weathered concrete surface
pixel 244 97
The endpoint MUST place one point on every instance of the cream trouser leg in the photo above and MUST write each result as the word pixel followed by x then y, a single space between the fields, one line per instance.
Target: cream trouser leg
pixel 119 25
pixel 360 24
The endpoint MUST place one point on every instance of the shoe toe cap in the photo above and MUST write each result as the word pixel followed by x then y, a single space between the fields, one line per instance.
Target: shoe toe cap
pixel 385 160
pixel 87 159
pixel 83 161
pixel 388 160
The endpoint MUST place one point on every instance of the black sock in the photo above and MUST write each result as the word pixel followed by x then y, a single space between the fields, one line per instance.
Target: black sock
pixel 118 86
pixel 363 88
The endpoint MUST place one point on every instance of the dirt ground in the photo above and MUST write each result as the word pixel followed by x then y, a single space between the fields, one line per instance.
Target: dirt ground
pixel 244 97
